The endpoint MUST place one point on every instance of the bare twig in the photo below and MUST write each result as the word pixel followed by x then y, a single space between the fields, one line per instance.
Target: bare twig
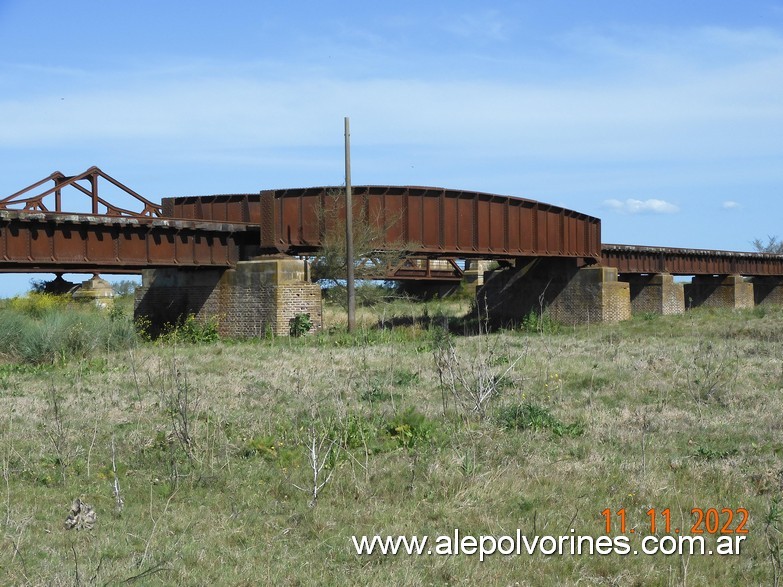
pixel 92 445
pixel 154 527
pixel 119 502
pixel 320 451
pixel 76 565
pixel 472 382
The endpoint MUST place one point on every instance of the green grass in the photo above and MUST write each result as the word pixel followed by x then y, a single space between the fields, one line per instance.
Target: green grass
pixel 210 446
pixel 47 329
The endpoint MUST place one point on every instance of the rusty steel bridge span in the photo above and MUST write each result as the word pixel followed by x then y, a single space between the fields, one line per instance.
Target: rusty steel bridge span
pixel 39 233
pixel 223 253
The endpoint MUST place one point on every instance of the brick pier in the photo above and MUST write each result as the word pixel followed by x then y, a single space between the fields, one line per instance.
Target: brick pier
pixel 657 293
pixel 567 293
pixel 256 298
pixel 721 291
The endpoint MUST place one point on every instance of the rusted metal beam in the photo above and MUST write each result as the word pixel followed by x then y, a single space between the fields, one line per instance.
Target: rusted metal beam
pixel 435 222
pixel 424 269
pixel 633 259
pixel 39 241
pixel 424 221
pixel 219 208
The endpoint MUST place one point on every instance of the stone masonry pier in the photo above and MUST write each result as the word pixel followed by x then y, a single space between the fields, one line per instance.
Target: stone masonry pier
pixel 256 298
pixel 721 291
pixel 656 293
pixel 567 293
pixel 768 291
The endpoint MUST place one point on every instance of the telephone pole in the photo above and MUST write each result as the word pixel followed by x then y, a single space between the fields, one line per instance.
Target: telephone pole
pixel 349 230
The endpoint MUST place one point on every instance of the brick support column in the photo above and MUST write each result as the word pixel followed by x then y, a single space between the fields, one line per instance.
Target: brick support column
pixel 722 291
pixel 255 298
pixel 768 291
pixel 568 294
pixel 656 293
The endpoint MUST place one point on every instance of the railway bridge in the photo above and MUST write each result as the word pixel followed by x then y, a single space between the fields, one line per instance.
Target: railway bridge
pixel 243 257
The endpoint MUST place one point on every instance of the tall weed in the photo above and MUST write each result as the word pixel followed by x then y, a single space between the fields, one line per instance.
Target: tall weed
pixel 41 329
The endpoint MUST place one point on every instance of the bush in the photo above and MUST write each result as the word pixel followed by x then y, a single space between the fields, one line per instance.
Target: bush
pixel 41 328
pixel 191 330
pixel 529 416
pixel 37 305
pixel 300 325
pixel 410 428
pixel 13 325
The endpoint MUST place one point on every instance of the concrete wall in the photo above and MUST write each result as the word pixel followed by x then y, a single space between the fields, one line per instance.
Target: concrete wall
pixel 256 298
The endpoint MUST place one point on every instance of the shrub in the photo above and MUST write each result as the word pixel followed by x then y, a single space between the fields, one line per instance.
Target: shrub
pixel 36 305
pixel 411 428
pixel 529 416
pixel 300 325
pixel 191 330
pixel 41 328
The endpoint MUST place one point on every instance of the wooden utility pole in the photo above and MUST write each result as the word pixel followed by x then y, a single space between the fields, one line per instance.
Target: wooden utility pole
pixel 349 230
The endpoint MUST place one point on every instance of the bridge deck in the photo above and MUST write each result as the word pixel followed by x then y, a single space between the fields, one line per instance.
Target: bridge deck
pixel 37 234
pixel 45 241
pixel 642 259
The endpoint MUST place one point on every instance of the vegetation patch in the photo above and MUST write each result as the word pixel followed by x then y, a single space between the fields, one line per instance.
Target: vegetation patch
pixel 529 416
pixel 191 460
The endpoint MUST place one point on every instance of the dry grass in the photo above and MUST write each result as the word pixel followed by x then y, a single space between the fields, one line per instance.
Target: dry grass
pixel 676 412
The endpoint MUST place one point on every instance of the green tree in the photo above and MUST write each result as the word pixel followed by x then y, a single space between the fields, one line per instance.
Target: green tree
pixel 125 287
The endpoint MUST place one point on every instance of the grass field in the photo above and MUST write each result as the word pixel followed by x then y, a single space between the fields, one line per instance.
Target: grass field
pixel 200 460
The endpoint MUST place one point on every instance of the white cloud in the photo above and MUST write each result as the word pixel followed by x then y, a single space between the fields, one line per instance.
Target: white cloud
pixel 731 205
pixel 651 206
pixel 664 109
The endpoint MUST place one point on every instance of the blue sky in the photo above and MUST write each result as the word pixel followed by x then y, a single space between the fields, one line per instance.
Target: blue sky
pixel 665 119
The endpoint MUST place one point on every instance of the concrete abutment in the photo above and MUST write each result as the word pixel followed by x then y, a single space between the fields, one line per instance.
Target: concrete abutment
pixel 263 296
pixel 256 298
pixel 473 276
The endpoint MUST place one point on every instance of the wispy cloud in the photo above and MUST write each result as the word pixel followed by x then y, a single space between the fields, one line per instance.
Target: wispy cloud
pixel 486 25
pixel 731 205
pixel 651 206
pixel 631 118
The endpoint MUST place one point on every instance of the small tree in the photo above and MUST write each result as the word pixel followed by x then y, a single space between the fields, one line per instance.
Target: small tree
pixel 772 246
pixel 373 252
